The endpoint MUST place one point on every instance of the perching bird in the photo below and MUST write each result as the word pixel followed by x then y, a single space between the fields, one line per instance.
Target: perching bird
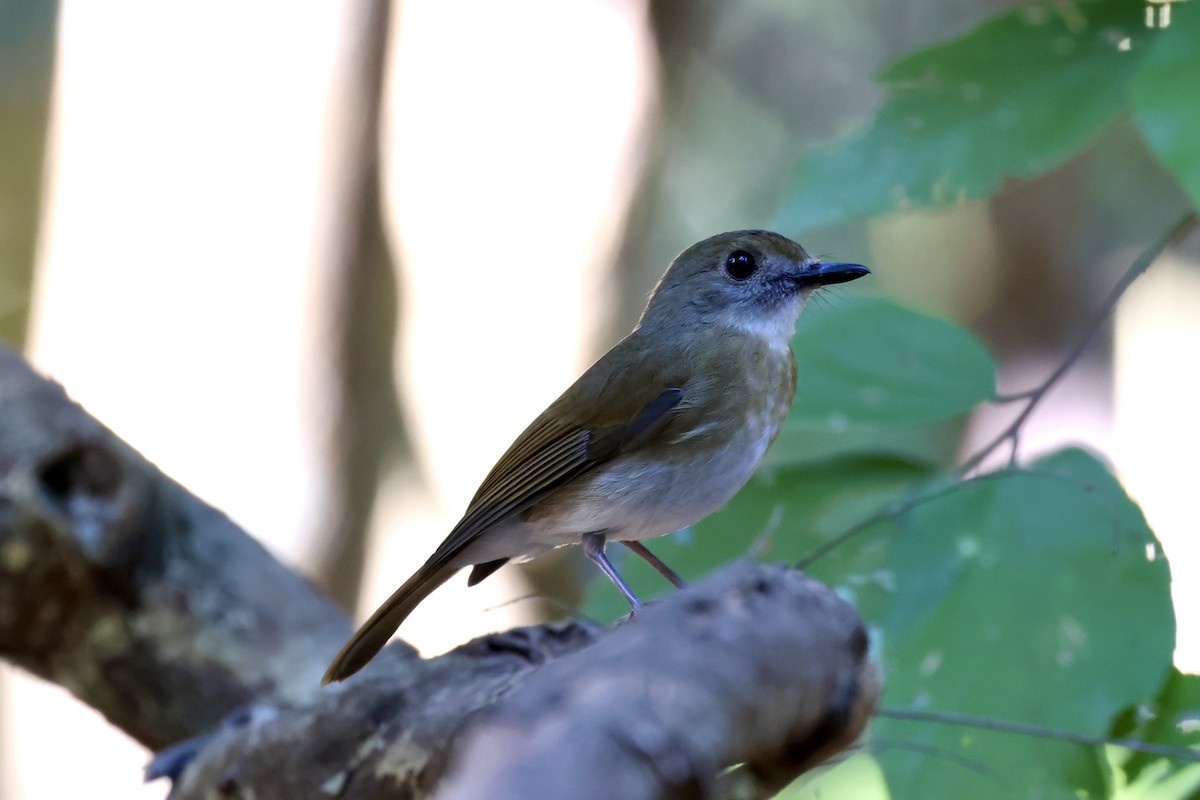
pixel 657 434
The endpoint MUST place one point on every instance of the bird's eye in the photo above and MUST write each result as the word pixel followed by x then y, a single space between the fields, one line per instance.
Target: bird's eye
pixel 740 265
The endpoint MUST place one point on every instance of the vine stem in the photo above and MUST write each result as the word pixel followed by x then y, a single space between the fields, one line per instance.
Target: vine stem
pixel 1039 731
pixel 1175 234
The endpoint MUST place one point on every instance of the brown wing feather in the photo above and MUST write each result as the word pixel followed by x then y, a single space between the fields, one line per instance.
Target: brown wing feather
pixel 624 404
pixel 562 444
pixel 544 432
pixel 556 460
pixel 550 453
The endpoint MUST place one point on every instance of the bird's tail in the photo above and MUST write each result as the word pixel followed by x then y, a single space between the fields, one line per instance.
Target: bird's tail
pixel 375 632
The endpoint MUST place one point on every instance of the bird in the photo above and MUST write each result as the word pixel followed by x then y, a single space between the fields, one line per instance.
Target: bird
pixel 659 433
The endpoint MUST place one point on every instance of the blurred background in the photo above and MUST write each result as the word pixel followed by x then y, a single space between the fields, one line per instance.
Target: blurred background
pixel 322 262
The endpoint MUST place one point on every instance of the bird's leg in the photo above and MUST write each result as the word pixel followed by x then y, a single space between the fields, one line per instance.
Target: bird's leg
pixel 593 545
pixel 657 563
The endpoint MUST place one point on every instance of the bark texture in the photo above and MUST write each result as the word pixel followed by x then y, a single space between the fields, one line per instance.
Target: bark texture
pixel 158 611
pixel 116 583
pixel 757 665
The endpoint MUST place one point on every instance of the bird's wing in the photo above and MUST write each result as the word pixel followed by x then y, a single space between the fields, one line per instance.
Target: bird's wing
pixel 606 413
pixel 558 447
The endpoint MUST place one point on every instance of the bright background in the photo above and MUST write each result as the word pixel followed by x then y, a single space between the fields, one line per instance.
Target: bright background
pixel 183 263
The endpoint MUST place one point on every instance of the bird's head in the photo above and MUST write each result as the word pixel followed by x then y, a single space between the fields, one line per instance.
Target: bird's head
pixel 755 281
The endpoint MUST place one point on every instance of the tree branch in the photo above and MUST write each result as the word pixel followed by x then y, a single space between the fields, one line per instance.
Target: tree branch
pixel 755 665
pixel 115 582
pixel 158 611
pixel 760 666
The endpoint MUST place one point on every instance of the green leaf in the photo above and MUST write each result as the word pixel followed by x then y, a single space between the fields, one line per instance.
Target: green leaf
pixel 1038 597
pixel 804 440
pixel 871 360
pixel 780 515
pixel 1175 722
pixel 1017 96
pixel 877 378
pixel 872 376
pixel 1163 94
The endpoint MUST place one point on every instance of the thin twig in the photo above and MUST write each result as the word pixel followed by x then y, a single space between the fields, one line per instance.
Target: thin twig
pixel 1005 726
pixel 920 498
pixel 1002 399
pixel 881 746
pixel 896 509
pixel 1032 398
pixel 568 611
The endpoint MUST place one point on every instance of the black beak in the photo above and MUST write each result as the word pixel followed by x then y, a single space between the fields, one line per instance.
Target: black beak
pixel 821 274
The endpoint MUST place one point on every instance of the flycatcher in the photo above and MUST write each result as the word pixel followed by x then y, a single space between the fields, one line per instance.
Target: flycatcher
pixel 657 434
